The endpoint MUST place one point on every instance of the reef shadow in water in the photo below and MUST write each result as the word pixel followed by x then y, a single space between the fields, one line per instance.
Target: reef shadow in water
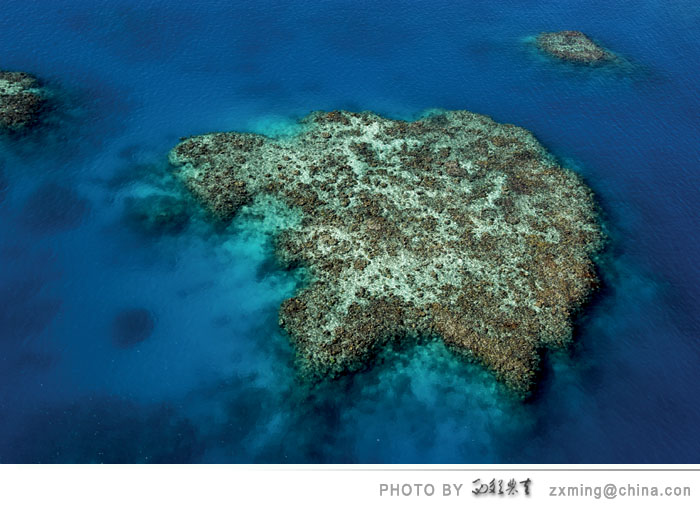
pixel 132 326
pixel 155 215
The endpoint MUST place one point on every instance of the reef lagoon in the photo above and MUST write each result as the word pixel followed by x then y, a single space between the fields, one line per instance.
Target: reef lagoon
pixel 137 326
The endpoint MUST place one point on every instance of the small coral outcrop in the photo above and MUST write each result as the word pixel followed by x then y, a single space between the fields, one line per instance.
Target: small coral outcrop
pixel 452 226
pixel 573 46
pixel 22 100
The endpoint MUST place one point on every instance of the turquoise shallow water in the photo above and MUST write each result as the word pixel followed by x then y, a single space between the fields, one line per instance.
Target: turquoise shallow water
pixel 214 380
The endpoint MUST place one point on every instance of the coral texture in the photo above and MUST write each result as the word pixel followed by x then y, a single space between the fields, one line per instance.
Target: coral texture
pixel 452 225
pixel 21 101
pixel 572 45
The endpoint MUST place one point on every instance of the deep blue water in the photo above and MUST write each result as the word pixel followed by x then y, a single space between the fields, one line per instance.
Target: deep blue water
pixel 213 378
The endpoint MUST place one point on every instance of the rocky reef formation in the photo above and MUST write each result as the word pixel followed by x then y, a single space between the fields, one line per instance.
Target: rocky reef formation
pixel 21 101
pixel 573 46
pixel 452 225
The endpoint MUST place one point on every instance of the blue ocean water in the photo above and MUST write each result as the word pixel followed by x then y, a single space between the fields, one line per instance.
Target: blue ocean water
pixel 199 371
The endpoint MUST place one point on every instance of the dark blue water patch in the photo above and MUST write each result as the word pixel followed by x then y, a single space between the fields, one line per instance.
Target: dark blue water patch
pixel 132 326
pixel 28 304
pixel 33 361
pixel 24 314
pixel 53 207
pixel 4 184
pixel 263 90
pixel 105 430
pixel 135 33
pixel 363 31
pixel 222 321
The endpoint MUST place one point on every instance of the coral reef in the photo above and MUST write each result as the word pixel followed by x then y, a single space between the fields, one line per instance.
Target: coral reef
pixel 572 45
pixel 21 101
pixel 452 225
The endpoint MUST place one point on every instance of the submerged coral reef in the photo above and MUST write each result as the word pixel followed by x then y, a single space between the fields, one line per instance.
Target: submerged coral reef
pixel 157 214
pixel 21 101
pixel 574 46
pixel 452 225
